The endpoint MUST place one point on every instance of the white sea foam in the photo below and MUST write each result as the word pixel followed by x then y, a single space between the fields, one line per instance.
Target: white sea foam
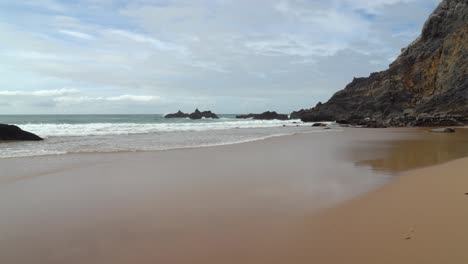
pixel 101 129
pixel 163 135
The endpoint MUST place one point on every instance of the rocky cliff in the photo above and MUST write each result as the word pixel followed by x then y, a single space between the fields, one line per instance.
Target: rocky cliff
pixel 426 85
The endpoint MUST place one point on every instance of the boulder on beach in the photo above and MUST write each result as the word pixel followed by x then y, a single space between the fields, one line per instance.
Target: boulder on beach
pixel 265 116
pixel 179 114
pixel 11 132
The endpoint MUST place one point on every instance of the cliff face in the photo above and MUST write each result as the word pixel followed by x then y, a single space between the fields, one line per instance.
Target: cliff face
pixel 426 85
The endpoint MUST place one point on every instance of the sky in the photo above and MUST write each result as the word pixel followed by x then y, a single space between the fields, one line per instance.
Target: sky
pixel 159 56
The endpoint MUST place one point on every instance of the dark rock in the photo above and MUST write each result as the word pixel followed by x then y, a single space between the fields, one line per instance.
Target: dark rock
pixel 297 114
pixel 265 116
pixel 10 132
pixel 427 85
pixel 179 114
pixel 343 122
pixel 443 130
pixel 205 114
pixel 195 115
pixel 319 125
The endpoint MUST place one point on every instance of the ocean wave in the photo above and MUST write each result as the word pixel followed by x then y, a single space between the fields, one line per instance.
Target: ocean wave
pixel 101 129
pixel 30 150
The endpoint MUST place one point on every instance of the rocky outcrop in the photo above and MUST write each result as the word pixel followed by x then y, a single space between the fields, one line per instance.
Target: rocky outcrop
pixel 298 114
pixel 427 85
pixel 265 116
pixel 179 114
pixel 205 114
pixel 195 115
pixel 10 132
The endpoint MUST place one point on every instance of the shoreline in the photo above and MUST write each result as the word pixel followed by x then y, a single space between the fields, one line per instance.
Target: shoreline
pixel 153 141
pixel 174 148
pixel 257 202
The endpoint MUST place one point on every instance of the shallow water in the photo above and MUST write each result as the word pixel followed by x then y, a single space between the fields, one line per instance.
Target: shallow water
pixel 115 133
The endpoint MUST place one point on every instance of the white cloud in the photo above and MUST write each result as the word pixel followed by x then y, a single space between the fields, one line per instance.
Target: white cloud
pixel 374 5
pixel 291 46
pixel 136 98
pixel 55 92
pixel 122 98
pixel 207 65
pixel 76 34
pixel 32 55
pixel 291 53
pixel 156 43
pixel 51 5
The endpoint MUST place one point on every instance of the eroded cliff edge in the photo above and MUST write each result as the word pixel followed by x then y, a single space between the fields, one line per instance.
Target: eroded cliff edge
pixel 426 85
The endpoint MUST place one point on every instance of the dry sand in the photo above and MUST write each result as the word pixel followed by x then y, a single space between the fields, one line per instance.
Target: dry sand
pixel 259 202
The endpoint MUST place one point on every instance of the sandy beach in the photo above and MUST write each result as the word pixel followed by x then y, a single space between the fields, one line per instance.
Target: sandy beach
pixel 418 218
pixel 353 196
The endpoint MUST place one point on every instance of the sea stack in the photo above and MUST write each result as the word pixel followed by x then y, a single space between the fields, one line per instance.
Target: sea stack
pixel 427 85
pixel 265 116
pixel 197 114
pixel 12 133
pixel 179 114
pixel 205 114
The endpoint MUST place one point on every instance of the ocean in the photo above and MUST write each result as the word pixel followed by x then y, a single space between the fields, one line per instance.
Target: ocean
pixel 115 133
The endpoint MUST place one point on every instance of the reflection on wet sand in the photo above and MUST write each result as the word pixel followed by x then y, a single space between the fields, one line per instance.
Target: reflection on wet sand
pixel 422 150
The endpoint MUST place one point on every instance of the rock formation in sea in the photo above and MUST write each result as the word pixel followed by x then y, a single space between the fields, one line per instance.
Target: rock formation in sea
pixel 195 115
pixel 11 132
pixel 265 116
pixel 179 114
pixel 205 114
pixel 427 85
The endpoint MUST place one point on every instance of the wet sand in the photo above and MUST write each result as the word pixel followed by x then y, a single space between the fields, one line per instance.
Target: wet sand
pixel 260 202
pixel 422 217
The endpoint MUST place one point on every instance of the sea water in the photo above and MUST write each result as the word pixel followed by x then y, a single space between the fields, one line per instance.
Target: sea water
pixel 113 133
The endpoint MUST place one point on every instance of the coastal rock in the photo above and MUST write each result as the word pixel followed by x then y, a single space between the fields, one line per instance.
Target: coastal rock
pixel 11 132
pixel 179 114
pixel 319 125
pixel 427 85
pixel 443 130
pixel 265 116
pixel 297 114
pixel 205 114
pixel 195 115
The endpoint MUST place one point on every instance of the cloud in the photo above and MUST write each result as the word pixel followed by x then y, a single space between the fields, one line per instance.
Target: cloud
pixel 229 56
pixel 291 46
pixel 156 43
pixel 122 98
pixel 76 34
pixel 51 5
pixel 136 98
pixel 54 92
